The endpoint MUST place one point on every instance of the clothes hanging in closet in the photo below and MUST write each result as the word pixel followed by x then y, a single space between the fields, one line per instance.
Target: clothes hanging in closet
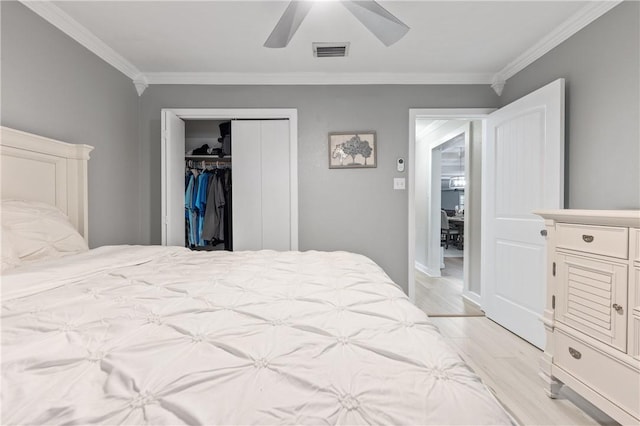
pixel 208 208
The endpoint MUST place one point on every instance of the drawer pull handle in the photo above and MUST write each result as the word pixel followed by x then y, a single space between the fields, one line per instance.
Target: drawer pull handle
pixel 618 308
pixel 574 353
pixel 587 238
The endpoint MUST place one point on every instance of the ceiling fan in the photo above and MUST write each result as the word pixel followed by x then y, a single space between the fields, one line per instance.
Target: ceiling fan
pixel 386 27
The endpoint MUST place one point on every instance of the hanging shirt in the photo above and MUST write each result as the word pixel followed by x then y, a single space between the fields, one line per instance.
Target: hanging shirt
pixel 201 205
pixel 213 218
pixel 188 208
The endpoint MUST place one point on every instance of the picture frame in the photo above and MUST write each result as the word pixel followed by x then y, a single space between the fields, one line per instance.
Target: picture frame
pixel 353 150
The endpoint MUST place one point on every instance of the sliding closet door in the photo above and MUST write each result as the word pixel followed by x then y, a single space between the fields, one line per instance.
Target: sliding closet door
pixel 246 187
pixel 276 191
pixel 261 185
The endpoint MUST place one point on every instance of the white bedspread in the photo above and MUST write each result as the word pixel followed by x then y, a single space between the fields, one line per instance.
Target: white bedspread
pixel 160 335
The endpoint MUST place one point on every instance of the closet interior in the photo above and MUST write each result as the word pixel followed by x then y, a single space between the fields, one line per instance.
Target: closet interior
pixel 208 185
pixel 227 182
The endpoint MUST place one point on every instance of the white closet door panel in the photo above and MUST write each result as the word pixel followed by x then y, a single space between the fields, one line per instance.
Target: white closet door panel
pixel 247 186
pixel 172 179
pixel 276 188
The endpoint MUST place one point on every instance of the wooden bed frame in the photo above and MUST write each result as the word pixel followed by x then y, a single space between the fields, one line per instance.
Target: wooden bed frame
pixel 36 168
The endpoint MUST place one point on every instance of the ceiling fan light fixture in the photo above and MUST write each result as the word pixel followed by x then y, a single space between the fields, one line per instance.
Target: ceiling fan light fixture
pixel 330 50
pixel 288 24
pixel 457 182
pixel 382 24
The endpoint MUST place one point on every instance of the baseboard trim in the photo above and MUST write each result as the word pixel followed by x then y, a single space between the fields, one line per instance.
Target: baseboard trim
pixel 428 271
pixel 473 298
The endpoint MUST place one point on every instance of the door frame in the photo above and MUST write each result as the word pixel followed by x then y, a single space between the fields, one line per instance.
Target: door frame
pixel 290 114
pixel 431 114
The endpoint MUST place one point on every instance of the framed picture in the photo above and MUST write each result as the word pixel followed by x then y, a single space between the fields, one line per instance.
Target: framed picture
pixel 349 150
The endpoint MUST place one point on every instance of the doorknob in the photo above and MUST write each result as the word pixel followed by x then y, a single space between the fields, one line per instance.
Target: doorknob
pixel 543 232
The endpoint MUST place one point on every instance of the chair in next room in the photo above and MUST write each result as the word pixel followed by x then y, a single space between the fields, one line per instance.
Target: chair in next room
pixel 446 232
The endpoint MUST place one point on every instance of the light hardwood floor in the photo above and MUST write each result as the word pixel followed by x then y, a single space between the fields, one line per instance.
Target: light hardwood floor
pixel 509 366
pixel 443 296
pixel 506 363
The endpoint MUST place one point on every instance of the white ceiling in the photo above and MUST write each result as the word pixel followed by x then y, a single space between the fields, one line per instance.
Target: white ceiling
pixel 452 151
pixel 449 41
pixel 452 158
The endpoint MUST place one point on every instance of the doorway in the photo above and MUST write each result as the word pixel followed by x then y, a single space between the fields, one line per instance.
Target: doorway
pixel 447 200
pixel 444 159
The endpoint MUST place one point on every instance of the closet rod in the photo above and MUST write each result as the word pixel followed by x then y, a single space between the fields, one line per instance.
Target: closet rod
pixel 205 163
pixel 207 158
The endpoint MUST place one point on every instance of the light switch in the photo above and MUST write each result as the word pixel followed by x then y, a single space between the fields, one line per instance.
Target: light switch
pixel 398 183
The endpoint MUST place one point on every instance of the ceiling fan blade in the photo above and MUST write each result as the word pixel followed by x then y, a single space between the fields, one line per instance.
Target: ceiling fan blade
pixel 288 23
pixel 378 20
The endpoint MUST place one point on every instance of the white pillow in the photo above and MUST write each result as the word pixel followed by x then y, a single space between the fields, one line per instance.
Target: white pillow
pixel 40 231
pixel 9 254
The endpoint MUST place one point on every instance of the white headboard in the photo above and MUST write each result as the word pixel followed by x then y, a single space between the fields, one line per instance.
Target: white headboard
pixel 36 168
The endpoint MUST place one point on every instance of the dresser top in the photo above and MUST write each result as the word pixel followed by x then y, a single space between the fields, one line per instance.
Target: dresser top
pixel 628 218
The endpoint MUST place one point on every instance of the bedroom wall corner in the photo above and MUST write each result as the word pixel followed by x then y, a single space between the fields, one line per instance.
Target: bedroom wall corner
pixel 601 65
pixel 54 87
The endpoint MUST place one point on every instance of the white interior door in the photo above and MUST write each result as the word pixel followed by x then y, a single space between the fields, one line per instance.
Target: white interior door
pixel 172 179
pixel 523 170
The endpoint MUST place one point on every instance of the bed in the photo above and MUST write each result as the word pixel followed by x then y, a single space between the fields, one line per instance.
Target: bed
pixel 164 335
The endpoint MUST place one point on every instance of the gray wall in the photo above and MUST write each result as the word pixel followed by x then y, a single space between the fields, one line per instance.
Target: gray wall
pixel 54 87
pixel 355 210
pixel 601 65
pixel 450 198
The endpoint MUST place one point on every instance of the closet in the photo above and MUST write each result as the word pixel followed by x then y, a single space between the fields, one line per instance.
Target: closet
pixel 247 201
pixel 208 185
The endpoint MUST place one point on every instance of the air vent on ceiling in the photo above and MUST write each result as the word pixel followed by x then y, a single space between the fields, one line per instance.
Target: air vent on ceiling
pixel 330 50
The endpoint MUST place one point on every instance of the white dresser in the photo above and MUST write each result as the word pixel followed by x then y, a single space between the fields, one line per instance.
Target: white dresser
pixel 592 315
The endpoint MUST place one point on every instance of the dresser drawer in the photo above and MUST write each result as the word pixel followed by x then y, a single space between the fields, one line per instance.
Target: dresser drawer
pixel 616 381
pixel 605 240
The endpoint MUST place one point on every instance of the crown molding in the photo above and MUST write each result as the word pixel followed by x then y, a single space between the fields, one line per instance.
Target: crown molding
pixel 313 78
pixel 65 23
pixel 497 83
pixel 582 18
pixel 141 84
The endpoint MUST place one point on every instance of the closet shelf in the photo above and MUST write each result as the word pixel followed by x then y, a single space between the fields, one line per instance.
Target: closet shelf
pixel 207 157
